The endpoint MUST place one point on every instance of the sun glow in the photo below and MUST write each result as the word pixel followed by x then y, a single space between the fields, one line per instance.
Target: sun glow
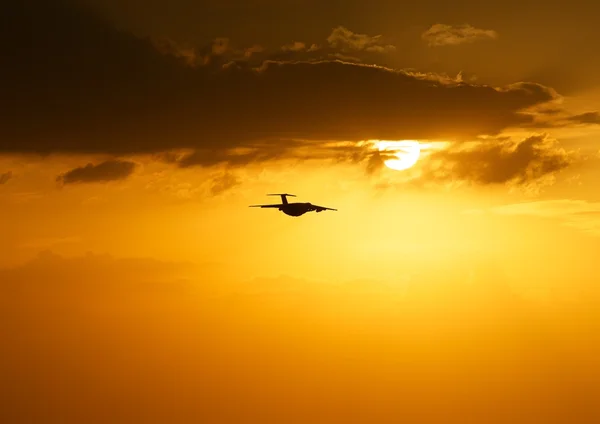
pixel 406 153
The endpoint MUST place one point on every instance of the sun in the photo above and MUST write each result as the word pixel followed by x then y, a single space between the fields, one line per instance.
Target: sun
pixel 407 153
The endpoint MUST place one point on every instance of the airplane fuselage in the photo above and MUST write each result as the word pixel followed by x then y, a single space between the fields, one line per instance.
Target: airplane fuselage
pixel 296 209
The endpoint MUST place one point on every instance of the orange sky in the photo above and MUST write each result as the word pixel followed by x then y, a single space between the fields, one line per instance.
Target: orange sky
pixel 136 286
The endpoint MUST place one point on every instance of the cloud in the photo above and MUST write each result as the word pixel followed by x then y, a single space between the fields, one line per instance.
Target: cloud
pixel 260 152
pixel 215 54
pixel 5 177
pixel 345 39
pixel 448 35
pixel 223 182
pixel 296 46
pixel 556 117
pixel 531 161
pixel 249 51
pixel 580 214
pixel 345 58
pixel 188 54
pixel 110 170
pixel 122 95
pixel 586 118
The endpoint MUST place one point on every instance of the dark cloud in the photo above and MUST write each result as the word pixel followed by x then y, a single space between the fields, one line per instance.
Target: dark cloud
pixel 448 35
pixel 586 118
pixel 110 170
pixel 79 85
pixel 224 157
pixel 5 177
pixel 348 152
pixel 562 54
pixel 522 163
pixel 259 152
pixel 560 118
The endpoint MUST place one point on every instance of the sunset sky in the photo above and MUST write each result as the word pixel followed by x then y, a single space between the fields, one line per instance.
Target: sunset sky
pixel 136 286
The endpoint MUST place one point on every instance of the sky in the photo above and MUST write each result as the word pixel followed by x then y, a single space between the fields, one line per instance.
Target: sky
pixel 137 286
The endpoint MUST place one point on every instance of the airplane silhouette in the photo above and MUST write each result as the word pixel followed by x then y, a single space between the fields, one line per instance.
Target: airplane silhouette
pixel 293 209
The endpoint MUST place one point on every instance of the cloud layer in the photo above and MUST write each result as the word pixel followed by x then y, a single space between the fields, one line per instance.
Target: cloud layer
pixel 449 35
pixel 79 85
pixel 110 170
pixel 557 117
pixel 529 161
pixel 586 118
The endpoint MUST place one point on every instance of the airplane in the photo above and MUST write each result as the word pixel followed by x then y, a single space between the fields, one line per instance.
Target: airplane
pixel 293 209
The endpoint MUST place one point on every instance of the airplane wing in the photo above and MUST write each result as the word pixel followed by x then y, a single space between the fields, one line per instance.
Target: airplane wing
pixel 322 208
pixel 265 206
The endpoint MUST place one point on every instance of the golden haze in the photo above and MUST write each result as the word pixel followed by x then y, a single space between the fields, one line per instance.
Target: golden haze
pixel 457 282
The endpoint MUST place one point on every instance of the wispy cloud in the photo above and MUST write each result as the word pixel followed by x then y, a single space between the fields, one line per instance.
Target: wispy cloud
pixel 344 39
pixel 110 170
pixel 579 214
pixel 253 50
pixel 223 182
pixel 296 46
pixel 449 35
pixel 5 177
pixel 557 117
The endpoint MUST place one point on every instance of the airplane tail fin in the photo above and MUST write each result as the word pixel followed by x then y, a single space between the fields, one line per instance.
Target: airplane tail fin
pixel 283 197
